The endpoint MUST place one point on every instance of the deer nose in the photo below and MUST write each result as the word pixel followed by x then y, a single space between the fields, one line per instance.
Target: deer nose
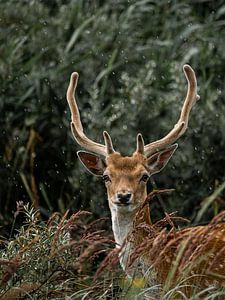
pixel 124 197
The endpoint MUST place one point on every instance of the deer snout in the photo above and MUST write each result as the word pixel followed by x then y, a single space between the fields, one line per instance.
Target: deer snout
pixel 124 197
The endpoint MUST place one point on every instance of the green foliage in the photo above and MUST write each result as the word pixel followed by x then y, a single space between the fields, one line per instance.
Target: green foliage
pixel 52 260
pixel 129 55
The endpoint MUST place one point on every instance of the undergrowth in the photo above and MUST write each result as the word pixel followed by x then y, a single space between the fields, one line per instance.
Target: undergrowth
pixel 53 259
pixel 72 257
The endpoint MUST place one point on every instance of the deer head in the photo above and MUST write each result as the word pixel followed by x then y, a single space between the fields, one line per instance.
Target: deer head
pixel 126 177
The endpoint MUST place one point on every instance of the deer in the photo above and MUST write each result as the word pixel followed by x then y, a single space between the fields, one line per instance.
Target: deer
pixel 126 178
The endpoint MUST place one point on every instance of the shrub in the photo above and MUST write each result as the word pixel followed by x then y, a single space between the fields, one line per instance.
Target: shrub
pixel 129 55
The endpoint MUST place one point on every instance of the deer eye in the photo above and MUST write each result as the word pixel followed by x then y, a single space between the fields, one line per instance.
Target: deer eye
pixel 106 178
pixel 145 177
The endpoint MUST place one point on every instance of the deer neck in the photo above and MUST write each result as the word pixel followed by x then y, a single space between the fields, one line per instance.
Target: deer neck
pixel 123 222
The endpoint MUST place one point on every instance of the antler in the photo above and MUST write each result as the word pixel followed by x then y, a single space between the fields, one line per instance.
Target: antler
pixel 76 125
pixel 182 123
pixel 107 149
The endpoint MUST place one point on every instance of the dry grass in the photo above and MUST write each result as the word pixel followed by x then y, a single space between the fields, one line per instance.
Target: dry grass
pixel 189 261
pixel 72 256
pixel 54 259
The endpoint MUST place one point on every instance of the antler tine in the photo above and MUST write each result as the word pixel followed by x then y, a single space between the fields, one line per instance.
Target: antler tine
pixel 140 144
pixel 182 123
pixel 76 125
pixel 108 143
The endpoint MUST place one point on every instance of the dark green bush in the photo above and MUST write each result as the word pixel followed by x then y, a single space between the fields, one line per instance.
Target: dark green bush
pixel 129 55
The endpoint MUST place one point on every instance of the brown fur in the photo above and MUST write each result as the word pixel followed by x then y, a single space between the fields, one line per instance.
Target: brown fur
pixel 125 174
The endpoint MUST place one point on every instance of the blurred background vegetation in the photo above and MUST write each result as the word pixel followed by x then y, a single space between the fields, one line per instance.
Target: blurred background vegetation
pixel 129 55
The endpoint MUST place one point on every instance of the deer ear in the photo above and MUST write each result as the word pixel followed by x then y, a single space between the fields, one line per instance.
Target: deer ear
pixel 93 163
pixel 159 160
